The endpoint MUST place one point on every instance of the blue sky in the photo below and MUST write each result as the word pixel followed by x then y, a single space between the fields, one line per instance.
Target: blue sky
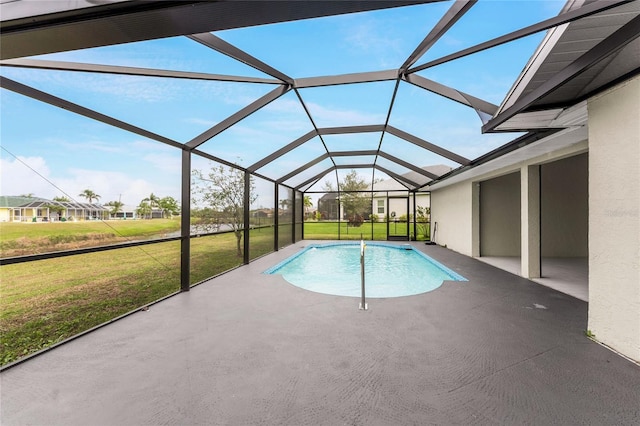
pixel 73 153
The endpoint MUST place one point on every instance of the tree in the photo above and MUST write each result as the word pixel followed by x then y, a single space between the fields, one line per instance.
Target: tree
pixel 116 206
pixel 169 206
pixel 422 219
pixel 62 199
pixel 89 195
pixel 153 201
pixel 307 202
pixel 143 209
pixel 222 189
pixel 355 203
pixel 56 208
pixel 29 195
pixel 328 186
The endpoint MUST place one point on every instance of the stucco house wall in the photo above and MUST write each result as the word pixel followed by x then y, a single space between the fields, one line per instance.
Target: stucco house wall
pixel 614 217
pixel 452 217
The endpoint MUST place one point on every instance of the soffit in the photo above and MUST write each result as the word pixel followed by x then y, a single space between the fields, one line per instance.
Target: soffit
pixel 564 45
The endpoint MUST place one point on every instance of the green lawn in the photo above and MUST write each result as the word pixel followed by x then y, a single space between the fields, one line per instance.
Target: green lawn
pixel 31 238
pixel 46 301
pixel 329 230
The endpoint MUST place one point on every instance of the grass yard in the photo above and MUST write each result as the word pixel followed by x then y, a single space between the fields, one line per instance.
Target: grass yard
pixel 31 238
pixel 47 301
pixel 329 230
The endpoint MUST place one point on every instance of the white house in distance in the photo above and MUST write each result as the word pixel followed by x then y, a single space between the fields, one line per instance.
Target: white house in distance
pixel 36 209
pixel 390 196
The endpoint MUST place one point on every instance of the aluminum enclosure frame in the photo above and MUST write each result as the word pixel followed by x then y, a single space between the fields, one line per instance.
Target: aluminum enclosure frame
pixel 26 36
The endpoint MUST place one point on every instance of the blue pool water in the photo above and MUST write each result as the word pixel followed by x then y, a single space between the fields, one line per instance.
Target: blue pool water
pixel 390 270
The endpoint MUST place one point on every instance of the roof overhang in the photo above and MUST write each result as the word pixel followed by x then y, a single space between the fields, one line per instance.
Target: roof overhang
pixel 574 62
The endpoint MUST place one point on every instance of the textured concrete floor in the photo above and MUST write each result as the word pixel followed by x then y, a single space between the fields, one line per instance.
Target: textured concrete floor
pixel 569 275
pixel 249 349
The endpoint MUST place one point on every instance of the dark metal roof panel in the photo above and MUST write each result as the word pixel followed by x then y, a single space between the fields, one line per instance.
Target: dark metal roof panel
pixel 126 22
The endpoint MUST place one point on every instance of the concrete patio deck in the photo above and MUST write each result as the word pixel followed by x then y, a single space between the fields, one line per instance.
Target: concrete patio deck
pixel 247 348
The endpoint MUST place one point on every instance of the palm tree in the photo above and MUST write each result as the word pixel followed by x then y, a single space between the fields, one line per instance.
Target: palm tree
pixel 89 195
pixel 143 209
pixel 169 206
pixel 306 201
pixel 153 201
pixel 116 206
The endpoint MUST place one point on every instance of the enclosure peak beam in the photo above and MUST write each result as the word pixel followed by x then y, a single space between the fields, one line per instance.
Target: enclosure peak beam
pixel 399 178
pixel 353 153
pixel 238 116
pixel 455 12
pixel 269 158
pixel 407 165
pixel 315 178
pixel 481 106
pixel 230 50
pixel 350 129
pixel 303 168
pixel 428 146
pixel 354 166
pixel 355 78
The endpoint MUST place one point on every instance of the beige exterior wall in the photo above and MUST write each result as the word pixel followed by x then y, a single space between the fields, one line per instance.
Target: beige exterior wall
pixel 452 209
pixel 500 216
pixel 614 218
pixel 565 207
pixel 5 215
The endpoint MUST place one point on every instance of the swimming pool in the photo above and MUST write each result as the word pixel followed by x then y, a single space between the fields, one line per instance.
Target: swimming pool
pixel 390 270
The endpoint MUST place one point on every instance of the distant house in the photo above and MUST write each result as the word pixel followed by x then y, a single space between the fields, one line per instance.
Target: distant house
pixel 389 198
pixel 36 209
pixel 262 213
pixel 329 206
pixel 126 212
pixel 131 212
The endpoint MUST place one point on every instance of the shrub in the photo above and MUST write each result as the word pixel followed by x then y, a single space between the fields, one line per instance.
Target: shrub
pixel 355 221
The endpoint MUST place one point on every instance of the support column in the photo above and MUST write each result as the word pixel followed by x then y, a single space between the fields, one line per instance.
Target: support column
pixel 475 219
pixel 614 217
pixel 293 218
pixel 246 216
pixel 276 218
pixel 185 223
pixel 530 221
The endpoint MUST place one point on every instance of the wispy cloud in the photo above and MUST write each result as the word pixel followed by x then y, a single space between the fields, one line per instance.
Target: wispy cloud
pixel 18 178
pixel 343 117
pixel 91 146
pixel 24 175
pixel 200 121
pixel 370 35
